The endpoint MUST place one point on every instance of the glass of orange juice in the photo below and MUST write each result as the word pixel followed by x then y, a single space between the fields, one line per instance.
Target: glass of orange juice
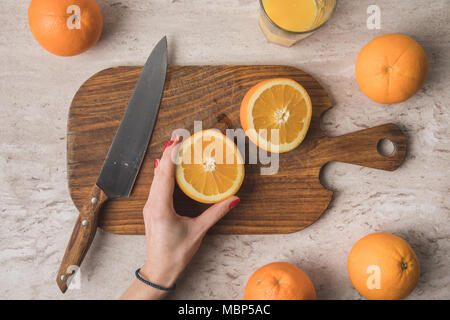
pixel 285 22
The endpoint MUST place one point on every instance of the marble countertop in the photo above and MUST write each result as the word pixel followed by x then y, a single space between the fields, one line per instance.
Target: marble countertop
pixel 36 89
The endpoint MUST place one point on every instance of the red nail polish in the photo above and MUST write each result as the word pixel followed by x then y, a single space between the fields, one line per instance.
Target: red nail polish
pixel 235 203
pixel 168 144
pixel 156 163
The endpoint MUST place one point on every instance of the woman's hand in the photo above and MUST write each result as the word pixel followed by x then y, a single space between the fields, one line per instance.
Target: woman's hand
pixel 172 240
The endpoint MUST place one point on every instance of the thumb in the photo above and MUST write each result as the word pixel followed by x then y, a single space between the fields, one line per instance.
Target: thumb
pixel 214 213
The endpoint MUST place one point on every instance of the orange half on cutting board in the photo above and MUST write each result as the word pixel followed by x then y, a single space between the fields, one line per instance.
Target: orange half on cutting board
pixel 209 167
pixel 276 114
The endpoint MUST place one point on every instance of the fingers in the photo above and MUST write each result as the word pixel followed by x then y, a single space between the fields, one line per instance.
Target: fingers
pixel 216 212
pixel 167 165
pixel 163 179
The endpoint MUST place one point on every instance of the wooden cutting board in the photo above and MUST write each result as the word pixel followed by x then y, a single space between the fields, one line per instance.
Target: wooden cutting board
pixel 285 202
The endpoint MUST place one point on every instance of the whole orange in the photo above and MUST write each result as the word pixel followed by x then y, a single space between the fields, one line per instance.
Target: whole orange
pixel 279 281
pixel 65 27
pixel 391 68
pixel 383 266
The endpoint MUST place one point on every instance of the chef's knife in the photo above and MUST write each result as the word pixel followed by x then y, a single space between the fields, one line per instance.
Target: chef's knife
pixel 124 158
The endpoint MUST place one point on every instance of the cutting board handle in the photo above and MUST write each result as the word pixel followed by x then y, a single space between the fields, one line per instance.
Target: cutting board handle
pixel 362 147
pixel 82 235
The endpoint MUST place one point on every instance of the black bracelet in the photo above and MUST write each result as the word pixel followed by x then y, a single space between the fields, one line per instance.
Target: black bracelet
pixel 138 276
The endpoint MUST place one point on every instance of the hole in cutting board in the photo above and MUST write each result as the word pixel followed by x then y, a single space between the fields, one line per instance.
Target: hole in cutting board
pixel 386 147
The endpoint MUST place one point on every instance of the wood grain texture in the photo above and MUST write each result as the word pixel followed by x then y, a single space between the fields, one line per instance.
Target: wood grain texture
pixel 82 236
pixel 285 202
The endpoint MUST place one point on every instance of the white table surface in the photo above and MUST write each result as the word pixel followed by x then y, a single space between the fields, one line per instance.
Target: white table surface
pixel 36 211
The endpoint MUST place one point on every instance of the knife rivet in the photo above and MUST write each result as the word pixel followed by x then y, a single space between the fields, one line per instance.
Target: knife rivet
pixel 63 278
pixel 94 200
pixel 85 223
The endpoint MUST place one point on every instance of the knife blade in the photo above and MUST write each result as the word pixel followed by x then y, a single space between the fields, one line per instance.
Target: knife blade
pixel 123 161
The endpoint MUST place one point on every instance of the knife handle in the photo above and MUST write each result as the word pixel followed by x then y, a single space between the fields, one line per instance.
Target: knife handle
pixel 82 235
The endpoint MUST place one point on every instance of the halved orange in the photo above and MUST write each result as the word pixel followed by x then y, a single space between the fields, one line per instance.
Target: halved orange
pixel 209 167
pixel 276 114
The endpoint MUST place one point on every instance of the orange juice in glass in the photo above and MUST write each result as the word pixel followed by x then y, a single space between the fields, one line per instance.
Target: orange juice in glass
pixel 285 22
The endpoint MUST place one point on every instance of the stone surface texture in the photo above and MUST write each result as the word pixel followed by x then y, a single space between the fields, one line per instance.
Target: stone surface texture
pixel 37 214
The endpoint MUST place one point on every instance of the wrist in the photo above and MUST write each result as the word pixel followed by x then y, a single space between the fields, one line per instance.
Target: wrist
pixel 164 277
pixel 142 291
